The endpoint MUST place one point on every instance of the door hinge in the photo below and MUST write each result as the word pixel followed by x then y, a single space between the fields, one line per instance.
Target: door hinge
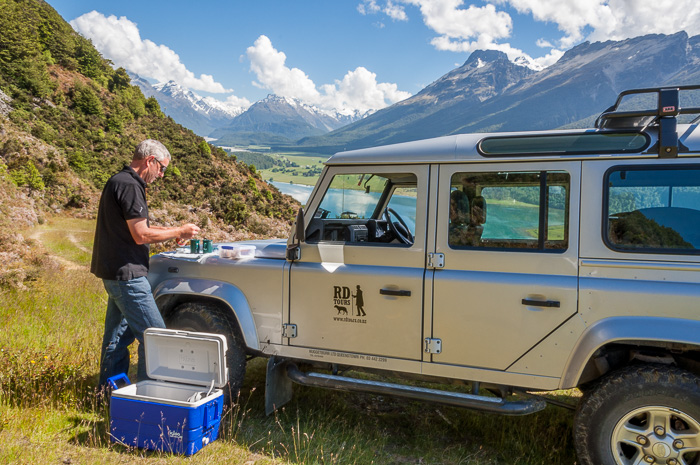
pixel 436 260
pixel 289 330
pixel 433 346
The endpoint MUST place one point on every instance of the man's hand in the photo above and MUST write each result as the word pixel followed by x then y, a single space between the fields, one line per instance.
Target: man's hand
pixel 143 234
pixel 188 231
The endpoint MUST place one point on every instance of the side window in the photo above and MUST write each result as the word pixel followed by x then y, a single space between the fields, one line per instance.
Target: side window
pixel 653 210
pixel 367 208
pixel 510 210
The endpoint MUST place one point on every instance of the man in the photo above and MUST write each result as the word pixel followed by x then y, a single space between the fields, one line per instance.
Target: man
pixel 359 302
pixel 120 257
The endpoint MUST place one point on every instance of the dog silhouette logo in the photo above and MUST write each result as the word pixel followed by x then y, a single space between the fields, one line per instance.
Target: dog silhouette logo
pixel 342 310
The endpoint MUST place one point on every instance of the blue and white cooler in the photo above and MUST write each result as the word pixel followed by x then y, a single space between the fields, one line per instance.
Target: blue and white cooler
pixel 179 409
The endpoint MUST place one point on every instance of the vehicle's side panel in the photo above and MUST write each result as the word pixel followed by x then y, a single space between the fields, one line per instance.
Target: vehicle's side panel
pixel 629 284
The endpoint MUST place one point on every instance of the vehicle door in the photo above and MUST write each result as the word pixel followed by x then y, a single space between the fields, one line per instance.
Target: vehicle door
pixel 509 235
pixel 358 286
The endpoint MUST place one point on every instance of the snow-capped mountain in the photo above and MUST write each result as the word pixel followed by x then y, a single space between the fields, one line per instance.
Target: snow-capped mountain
pixel 206 105
pixel 280 120
pixel 201 114
pixel 527 62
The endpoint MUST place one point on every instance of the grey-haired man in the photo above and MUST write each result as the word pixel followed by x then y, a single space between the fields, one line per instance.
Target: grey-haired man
pixel 120 257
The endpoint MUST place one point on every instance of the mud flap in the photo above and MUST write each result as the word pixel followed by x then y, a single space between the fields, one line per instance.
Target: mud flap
pixel 278 386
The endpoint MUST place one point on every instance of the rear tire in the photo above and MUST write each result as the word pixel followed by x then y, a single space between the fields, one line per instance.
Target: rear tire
pixel 640 414
pixel 209 318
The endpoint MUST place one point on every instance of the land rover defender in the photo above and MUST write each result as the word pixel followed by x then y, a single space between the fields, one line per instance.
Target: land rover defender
pixel 515 262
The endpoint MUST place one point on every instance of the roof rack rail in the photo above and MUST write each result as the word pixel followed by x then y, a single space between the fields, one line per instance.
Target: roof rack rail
pixel 664 116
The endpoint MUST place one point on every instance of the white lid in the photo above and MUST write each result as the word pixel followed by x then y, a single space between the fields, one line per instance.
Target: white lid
pixel 186 357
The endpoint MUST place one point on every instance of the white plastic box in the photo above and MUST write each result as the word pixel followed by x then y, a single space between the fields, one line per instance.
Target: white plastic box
pixel 237 251
pixel 179 410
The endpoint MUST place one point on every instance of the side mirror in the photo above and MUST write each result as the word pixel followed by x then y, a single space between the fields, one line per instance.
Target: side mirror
pixel 293 250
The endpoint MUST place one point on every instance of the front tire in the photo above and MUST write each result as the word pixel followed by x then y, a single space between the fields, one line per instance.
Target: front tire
pixel 638 415
pixel 209 318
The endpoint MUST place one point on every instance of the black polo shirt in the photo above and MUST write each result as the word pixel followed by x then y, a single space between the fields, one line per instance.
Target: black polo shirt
pixel 115 254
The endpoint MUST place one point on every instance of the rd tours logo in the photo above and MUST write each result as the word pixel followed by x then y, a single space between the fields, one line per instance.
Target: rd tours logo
pixel 349 304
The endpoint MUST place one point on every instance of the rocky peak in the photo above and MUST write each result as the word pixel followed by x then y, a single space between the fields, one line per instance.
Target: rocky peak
pixel 481 57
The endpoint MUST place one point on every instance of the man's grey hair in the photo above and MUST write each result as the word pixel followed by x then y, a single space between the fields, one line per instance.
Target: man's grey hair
pixel 151 148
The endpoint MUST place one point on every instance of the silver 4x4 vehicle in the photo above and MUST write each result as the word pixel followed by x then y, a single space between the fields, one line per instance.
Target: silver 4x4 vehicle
pixel 513 261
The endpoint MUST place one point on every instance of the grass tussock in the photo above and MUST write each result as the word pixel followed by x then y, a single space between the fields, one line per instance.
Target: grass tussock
pixel 51 413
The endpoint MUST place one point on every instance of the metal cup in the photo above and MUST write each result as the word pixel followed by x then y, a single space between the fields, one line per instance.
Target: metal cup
pixel 194 245
pixel 207 246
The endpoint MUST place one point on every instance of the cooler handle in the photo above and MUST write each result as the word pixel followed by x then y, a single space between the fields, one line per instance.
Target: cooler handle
pixel 118 381
pixel 211 414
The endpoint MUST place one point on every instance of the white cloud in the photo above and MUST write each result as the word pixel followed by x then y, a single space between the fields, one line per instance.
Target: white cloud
pixel 268 64
pixel 598 20
pixel 238 102
pixel 464 27
pixel 391 9
pixel 395 12
pixel 549 59
pixel 358 90
pixel 451 21
pixel 119 40
pixel 461 28
pixel 368 7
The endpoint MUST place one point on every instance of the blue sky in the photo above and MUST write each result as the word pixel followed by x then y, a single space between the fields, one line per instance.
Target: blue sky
pixel 353 54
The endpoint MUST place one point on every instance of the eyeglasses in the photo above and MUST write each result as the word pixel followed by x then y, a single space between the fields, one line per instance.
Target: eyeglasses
pixel 162 166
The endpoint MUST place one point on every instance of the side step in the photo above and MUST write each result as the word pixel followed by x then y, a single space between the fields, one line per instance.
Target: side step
pixel 456 399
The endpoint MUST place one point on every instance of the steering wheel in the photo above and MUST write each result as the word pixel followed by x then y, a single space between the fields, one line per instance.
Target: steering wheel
pixel 401 231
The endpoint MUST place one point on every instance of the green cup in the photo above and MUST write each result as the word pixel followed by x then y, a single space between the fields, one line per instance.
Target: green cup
pixel 207 246
pixel 194 245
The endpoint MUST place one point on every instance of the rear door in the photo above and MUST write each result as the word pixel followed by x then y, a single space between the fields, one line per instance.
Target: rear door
pixel 509 235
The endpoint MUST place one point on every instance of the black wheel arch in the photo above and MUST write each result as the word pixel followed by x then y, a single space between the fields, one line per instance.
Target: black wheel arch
pixel 616 355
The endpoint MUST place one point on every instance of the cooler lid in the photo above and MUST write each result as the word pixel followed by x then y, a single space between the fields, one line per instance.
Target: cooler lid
pixel 186 357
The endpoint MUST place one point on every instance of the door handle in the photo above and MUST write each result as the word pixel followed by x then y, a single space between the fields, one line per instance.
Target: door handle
pixel 399 293
pixel 541 303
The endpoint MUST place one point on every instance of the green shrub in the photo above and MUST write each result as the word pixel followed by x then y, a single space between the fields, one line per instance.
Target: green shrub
pixel 28 175
pixel 153 107
pixel 204 148
pixel 119 80
pixel 76 160
pixel 87 101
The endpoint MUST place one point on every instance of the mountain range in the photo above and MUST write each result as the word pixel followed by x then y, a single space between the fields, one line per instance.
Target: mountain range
pixel 201 114
pixel 488 93
pixel 272 120
pixel 281 121
pixel 491 94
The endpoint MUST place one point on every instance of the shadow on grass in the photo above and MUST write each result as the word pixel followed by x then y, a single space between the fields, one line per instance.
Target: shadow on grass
pixel 326 426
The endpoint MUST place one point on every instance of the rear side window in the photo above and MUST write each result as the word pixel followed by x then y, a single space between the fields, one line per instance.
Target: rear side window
pixel 653 210
pixel 510 210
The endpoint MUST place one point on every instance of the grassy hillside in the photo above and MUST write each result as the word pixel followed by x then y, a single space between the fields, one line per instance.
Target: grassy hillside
pixel 68 121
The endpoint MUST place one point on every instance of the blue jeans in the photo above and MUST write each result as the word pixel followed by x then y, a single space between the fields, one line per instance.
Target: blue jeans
pixel 130 310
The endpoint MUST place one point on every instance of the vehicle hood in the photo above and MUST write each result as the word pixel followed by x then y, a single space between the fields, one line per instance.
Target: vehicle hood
pixel 268 248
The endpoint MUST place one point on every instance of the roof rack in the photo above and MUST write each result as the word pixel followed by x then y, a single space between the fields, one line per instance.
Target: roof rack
pixel 664 116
